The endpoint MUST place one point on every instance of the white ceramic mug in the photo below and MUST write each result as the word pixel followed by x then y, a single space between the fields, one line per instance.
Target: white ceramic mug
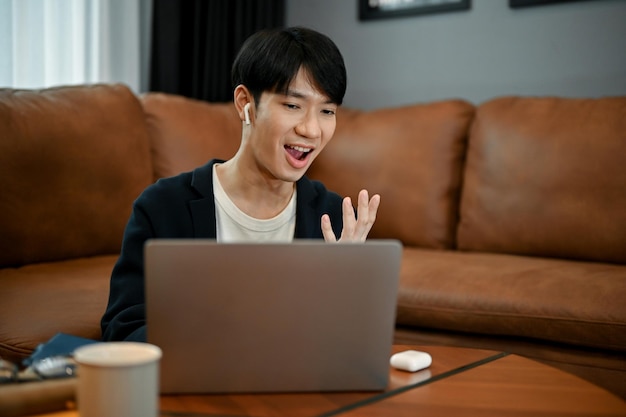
pixel 118 379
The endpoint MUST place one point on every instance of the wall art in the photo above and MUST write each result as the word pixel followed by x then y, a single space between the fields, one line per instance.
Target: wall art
pixel 382 9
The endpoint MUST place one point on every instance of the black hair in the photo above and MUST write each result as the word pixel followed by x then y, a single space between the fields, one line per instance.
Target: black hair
pixel 269 60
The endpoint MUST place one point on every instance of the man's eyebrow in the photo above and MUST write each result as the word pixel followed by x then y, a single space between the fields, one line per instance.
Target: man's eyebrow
pixel 298 94
pixel 294 93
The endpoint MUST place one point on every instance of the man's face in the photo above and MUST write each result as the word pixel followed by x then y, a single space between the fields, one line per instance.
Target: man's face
pixel 291 129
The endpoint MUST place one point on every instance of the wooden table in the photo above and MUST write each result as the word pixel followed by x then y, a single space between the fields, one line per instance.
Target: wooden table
pixel 508 386
pixel 460 382
pixel 448 360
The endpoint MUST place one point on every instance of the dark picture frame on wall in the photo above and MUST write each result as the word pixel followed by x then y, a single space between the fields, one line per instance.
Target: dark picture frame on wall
pixel 383 9
pixel 517 4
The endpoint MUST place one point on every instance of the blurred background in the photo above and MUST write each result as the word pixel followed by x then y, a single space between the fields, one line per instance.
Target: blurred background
pixel 569 49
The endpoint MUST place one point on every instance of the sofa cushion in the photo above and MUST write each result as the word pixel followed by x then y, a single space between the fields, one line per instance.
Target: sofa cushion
pixel 547 177
pixel 185 133
pixel 412 156
pixel 72 160
pixel 41 300
pixel 576 303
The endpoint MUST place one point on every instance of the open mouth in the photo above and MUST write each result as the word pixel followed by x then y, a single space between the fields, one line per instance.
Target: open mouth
pixel 298 152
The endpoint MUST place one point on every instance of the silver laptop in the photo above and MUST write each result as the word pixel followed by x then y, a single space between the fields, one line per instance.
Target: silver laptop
pixel 277 317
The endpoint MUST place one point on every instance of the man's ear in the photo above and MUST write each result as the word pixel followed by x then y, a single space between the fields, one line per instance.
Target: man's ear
pixel 244 103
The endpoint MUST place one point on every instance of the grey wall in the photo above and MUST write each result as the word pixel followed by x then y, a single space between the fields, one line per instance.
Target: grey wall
pixel 573 49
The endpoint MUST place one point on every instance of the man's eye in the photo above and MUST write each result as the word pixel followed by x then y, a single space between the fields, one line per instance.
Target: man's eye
pixel 328 112
pixel 291 106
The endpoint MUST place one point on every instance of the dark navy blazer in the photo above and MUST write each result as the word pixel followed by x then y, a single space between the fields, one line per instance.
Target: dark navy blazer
pixel 184 207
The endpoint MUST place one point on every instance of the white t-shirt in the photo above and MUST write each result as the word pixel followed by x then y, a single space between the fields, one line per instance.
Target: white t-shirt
pixel 233 225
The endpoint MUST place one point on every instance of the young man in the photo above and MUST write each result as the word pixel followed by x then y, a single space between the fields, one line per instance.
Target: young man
pixel 288 85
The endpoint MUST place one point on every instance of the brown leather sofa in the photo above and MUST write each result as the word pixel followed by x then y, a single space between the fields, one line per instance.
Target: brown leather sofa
pixel 512 213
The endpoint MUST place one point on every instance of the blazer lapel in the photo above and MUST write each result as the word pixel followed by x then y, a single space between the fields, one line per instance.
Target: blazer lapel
pixel 203 218
pixel 203 209
pixel 307 222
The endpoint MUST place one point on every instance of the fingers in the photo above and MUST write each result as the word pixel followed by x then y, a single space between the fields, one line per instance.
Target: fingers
pixel 327 230
pixel 349 221
pixel 366 215
pixel 355 228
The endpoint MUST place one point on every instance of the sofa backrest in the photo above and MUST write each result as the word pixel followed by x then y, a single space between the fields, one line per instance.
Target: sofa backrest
pixel 547 177
pixel 72 160
pixel 413 157
pixel 186 133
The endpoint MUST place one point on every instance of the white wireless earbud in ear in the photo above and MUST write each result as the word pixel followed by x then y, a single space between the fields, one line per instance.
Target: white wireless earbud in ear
pixel 246 113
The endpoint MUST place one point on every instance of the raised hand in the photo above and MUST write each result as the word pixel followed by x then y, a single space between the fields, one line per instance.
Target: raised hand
pixel 355 228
